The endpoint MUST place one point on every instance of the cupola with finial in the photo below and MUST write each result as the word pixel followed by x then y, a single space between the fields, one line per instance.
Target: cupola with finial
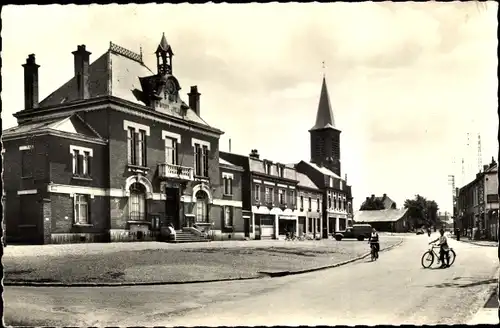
pixel 164 56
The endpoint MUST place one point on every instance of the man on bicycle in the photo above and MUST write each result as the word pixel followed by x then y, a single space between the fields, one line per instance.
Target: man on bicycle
pixel 374 242
pixel 443 249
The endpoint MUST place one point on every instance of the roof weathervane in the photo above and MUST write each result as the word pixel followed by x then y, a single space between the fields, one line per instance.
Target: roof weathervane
pixel 324 67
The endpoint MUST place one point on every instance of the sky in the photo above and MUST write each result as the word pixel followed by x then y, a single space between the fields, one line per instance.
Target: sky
pixel 407 81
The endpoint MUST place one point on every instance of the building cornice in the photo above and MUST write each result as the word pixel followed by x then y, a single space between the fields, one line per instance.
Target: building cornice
pixel 62 134
pixel 229 167
pixel 117 104
pixel 274 178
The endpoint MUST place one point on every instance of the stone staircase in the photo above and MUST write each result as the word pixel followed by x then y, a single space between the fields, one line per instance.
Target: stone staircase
pixel 188 237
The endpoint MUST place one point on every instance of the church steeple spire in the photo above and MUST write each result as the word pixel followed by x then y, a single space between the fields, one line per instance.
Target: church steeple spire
pixel 324 116
pixel 325 137
pixel 165 53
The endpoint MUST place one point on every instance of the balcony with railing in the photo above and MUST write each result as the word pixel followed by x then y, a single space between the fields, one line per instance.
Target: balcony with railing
pixel 171 171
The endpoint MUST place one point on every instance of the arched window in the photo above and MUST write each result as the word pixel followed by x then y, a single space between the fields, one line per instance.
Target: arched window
pixel 201 210
pixel 137 202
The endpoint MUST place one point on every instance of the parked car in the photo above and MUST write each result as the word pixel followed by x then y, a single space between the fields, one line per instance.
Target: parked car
pixel 420 231
pixel 357 231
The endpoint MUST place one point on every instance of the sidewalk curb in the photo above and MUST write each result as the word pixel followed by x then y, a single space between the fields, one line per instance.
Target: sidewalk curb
pixel 260 275
pixel 291 273
pixel 483 312
pixel 119 284
pixel 475 243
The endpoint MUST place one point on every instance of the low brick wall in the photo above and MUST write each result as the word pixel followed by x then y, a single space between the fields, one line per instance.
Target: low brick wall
pixel 71 238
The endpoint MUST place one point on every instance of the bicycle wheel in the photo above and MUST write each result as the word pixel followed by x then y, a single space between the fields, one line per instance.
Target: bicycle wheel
pixel 453 255
pixel 427 259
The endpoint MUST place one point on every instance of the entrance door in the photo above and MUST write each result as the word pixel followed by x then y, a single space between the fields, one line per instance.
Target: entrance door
pixel 325 228
pixel 247 226
pixel 172 207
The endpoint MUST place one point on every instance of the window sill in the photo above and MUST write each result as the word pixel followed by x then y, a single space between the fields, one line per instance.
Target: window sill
pixel 82 225
pixel 82 177
pixel 227 195
pixel 27 177
pixel 138 222
pixel 137 168
pixel 201 178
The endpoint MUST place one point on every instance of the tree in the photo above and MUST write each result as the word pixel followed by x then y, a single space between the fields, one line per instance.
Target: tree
pixel 432 212
pixel 422 211
pixel 372 204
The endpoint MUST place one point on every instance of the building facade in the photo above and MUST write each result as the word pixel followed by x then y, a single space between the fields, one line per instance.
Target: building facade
pixel 477 205
pixel 114 155
pixel 276 198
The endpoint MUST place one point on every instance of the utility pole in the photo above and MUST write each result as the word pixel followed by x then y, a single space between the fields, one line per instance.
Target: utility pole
pixel 479 154
pixel 451 181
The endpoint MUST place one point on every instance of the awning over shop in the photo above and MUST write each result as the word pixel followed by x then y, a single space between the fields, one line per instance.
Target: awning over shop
pixel 287 217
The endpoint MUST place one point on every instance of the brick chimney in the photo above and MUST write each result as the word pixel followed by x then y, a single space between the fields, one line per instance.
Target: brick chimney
pixel 254 153
pixel 30 83
pixel 82 71
pixel 194 99
pixel 384 196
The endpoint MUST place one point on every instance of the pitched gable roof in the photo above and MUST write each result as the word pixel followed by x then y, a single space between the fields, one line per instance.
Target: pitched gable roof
pixel 387 201
pixel 304 181
pixel 72 125
pixel 116 73
pixel 323 170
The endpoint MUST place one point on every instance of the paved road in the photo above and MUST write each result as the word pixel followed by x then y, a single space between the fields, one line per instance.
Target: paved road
pixel 393 290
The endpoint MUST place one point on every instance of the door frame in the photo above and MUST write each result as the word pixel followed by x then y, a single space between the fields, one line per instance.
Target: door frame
pixel 175 194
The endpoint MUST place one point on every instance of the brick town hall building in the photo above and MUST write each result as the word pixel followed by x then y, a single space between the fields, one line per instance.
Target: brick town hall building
pixel 114 154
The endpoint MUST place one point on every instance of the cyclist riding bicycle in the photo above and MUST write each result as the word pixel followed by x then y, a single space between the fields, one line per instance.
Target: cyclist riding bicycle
pixel 374 241
pixel 443 249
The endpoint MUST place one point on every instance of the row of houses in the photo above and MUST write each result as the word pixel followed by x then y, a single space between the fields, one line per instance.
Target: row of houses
pixel 115 154
pixel 477 205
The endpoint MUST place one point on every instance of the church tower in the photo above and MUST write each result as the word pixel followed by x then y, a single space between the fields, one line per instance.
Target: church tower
pixel 325 138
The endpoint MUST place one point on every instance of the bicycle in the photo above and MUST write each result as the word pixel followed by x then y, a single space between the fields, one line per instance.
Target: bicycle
pixel 431 254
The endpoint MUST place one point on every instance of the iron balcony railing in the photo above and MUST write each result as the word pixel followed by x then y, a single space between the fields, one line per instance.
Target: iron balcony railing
pixel 166 170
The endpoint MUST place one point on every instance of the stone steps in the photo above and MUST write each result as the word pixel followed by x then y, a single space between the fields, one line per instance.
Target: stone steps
pixel 188 237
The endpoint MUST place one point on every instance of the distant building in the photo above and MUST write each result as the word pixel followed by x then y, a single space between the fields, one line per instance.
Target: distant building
pixel 385 201
pixel 444 220
pixel 478 205
pixel 390 220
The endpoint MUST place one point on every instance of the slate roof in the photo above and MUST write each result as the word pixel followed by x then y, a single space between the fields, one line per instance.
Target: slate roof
pixel 324 116
pixel 391 215
pixel 228 163
pixel 115 73
pixel 304 181
pixel 72 124
pixel 323 170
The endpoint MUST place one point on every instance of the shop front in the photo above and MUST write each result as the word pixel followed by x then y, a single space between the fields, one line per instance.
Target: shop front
pixel 287 224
